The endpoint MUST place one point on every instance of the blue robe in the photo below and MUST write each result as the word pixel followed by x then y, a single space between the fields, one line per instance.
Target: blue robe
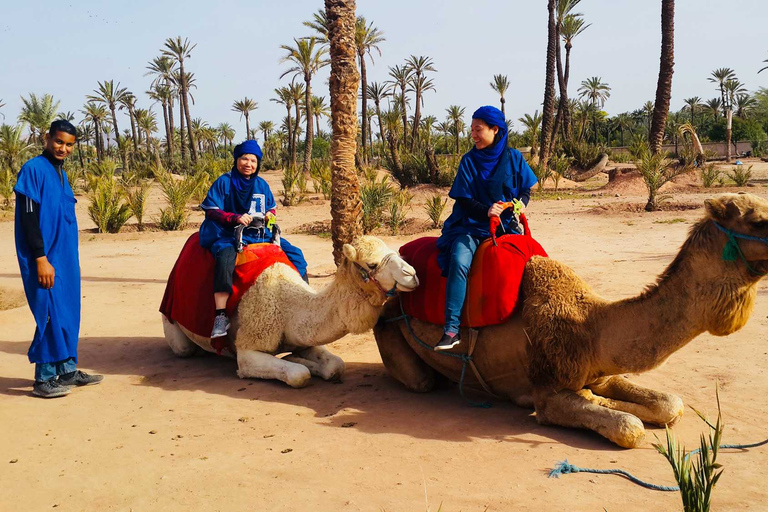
pixel 56 310
pixel 222 196
pixel 511 176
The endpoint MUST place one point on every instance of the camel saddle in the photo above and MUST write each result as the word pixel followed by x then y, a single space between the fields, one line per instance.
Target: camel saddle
pixel 493 286
pixel 188 297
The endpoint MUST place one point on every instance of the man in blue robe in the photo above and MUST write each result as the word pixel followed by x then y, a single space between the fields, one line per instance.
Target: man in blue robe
pixel 236 198
pixel 46 247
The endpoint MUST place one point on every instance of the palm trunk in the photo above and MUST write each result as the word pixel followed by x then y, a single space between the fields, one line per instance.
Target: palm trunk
pixel 133 128
pixel 170 130
pixel 295 139
pixel 346 208
pixel 404 113
pixel 666 68
pixel 123 157
pixel 567 121
pixel 416 116
pixel 456 129
pixel 310 132
pixel 381 125
pixel 291 152
pixel 562 106
pixel 247 127
pixel 185 108
pixel 728 133
pixel 168 133
pixel 181 130
pixel 549 87
pixel 364 128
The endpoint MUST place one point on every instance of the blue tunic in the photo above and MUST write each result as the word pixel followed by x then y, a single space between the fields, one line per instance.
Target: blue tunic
pixel 56 310
pixel 222 196
pixel 509 179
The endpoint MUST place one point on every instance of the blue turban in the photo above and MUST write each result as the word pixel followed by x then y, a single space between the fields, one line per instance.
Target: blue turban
pixel 486 159
pixel 249 147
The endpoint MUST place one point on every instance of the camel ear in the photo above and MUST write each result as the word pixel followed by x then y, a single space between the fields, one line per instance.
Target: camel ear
pixel 349 252
pixel 721 209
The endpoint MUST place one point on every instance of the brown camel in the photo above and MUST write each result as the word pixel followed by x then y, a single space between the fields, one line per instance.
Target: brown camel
pixel 565 353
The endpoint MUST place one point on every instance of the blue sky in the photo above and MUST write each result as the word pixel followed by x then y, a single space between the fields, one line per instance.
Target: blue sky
pixel 64 48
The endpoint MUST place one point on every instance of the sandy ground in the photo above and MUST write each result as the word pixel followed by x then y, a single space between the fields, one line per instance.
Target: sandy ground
pixel 168 434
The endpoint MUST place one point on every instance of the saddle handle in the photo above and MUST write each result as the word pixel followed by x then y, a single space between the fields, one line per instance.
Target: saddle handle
pixel 495 222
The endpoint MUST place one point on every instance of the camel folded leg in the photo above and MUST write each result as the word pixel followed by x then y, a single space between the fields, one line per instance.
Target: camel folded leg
pixel 655 407
pixel 570 409
pixel 400 360
pixel 320 362
pixel 260 365
pixel 180 344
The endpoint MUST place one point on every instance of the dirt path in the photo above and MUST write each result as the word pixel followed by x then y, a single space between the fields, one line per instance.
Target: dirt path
pixel 168 434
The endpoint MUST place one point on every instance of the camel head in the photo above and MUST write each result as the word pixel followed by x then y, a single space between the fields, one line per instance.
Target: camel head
pixel 745 218
pixel 378 264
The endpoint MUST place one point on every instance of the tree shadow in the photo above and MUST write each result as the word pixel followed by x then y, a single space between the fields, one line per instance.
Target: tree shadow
pixel 367 399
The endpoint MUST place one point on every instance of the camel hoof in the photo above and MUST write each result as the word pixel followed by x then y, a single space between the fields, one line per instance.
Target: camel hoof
pixel 333 372
pixel 676 409
pixel 631 432
pixel 298 378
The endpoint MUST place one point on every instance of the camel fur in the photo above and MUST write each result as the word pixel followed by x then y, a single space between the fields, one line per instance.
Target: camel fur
pixel 281 313
pixel 565 354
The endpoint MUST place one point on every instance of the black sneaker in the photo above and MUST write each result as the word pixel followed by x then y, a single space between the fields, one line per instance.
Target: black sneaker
pixel 447 342
pixel 50 389
pixel 79 378
pixel 220 326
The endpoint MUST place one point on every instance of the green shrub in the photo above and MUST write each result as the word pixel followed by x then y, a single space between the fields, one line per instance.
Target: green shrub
pixel 291 195
pixel 620 157
pixel 177 193
pixel 583 154
pixel 560 165
pixel 639 147
pixel 740 175
pixel 656 171
pixel 375 196
pixel 7 182
pixel 542 174
pixel 137 200
pixel 399 206
pixel 107 209
pixel 321 176
pixel 434 207
pixel 759 148
pixel 708 175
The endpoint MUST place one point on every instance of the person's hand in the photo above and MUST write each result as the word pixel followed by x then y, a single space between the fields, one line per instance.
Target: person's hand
pixel 45 273
pixel 244 219
pixel 495 210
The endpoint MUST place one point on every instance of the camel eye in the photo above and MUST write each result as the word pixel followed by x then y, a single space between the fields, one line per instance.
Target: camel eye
pixel 760 224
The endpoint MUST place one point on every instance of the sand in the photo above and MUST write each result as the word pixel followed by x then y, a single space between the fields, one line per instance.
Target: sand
pixel 169 434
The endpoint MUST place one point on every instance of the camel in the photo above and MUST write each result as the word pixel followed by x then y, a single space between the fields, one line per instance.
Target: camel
pixel 281 313
pixel 565 353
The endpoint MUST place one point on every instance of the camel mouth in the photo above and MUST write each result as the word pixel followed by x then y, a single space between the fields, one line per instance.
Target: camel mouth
pixel 409 285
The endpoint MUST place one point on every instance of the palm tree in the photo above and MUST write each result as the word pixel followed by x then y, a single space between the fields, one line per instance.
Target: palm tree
pixel 719 77
pixel 367 38
pixel 110 95
pixel 306 60
pixel 266 127
pixel 714 107
pixel 1 106
pixel 647 112
pixel 419 84
pixel 38 113
pixel 766 67
pixel 532 124
pixel 666 69
pixel 345 190
pixel 596 92
pixel 284 98
pixel 146 120
pixel 227 133
pixel 572 25
pixel 245 106
pixel 12 147
pixel 319 109
pixel 744 104
pixel 108 131
pixel 129 103
pixel 163 84
pixel 500 84
pixel 693 104
pixel 622 122
pixel 732 88
pixel 297 92
pixel 97 114
pixel 549 86
pixel 180 50
pixel 455 116
pixel 378 92
pixel 400 78
pixel 319 23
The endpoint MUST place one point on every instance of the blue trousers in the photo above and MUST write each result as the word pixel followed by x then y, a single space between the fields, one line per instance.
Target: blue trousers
pixel 462 252
pixel 47 371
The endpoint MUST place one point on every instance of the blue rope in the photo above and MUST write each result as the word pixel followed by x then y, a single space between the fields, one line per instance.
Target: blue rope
pixel 566 468
pixel 465 359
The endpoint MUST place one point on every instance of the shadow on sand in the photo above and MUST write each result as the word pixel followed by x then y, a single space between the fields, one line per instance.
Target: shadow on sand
pixel 367 399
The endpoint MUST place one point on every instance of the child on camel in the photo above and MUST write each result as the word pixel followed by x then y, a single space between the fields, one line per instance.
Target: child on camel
pixel 489 174
pixel 236 198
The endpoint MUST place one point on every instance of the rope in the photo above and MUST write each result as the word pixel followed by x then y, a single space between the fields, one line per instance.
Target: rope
pixel 566 468
pixel 465 358
pixel 732 250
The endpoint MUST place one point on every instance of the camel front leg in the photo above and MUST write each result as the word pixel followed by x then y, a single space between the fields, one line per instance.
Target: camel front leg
pixel 569 409
pixel 655 407
pixel 260 365
pixel 320 362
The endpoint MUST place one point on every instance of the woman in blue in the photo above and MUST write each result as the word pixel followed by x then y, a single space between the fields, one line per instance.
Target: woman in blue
pixel 236 198
pixel 490 173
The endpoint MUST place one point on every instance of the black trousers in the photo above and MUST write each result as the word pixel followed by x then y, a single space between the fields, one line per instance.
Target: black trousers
pixel 225 268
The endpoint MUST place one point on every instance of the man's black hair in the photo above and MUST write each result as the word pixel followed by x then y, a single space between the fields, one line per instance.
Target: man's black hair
pixel 62 125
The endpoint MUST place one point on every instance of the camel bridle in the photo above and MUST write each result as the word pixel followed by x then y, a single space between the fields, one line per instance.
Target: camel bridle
pixel 369 274
pixel 732 250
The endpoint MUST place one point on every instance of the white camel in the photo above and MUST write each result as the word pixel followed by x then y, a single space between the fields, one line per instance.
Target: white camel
pixel 280 314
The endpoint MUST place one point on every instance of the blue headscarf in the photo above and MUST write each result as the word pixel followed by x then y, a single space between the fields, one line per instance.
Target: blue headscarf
pixel 244 186
pixel 485 160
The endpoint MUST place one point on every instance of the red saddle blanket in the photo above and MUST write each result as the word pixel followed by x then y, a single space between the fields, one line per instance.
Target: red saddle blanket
pixel 188 297
pixel 493 284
